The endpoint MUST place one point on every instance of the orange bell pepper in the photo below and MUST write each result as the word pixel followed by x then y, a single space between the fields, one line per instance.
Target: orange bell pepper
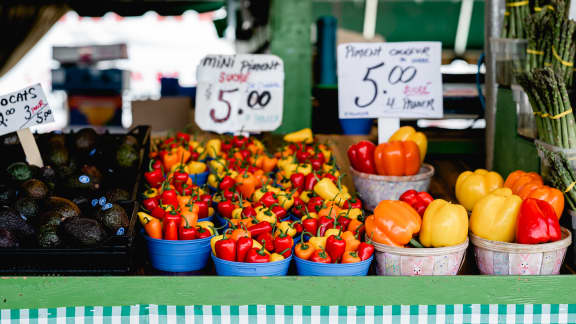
pixel 519 179
pixel 394 223
pixel 397 158
pixel 246 183
pixel 551 195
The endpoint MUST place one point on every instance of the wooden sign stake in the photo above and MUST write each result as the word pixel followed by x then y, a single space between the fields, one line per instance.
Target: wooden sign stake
pixel 30 147
pixel 387 127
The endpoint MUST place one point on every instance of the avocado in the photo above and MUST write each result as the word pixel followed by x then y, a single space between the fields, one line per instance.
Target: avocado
pixel 126 156
pixel 57 155
pixel 64 207
pixel 8 240
pixel 83 231
pixel 7 195
pixel 34 188
pixel 48 237
pixel 11 220
pixel 115 195
pixel 130 140
pixel 27 207
pixel 85 140
pixel 114 218
pixel 56 139
pixel 19 172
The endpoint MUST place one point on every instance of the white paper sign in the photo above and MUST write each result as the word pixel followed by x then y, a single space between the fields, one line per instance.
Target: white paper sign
pixel 239 93
pixel 23 109
pixel 390 80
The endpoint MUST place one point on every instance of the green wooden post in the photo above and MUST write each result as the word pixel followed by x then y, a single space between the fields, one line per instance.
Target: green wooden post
pixel 290 40
pixel 511 151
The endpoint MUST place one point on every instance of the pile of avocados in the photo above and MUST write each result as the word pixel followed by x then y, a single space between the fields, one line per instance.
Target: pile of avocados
pixel 76 199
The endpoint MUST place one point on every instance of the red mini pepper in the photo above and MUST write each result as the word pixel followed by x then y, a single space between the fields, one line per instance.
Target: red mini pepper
pixel 257 229
pixel 365 251
pixel 268 199
pixel 320 256
pixel 537 223
pixel 154 177
pixel 187 233
pixel 256 255
pixel 310 181
pixel 324 223
pixel 150 203
pixel 418 200
pixel 225 208
pixel 243 245
pixel 267 241
pixel 201 232
pixel 335 247
pixel 158 212
pixel 280 212
pixel 361 156
pixel 169 197
pixel 352 203
pixel 157 165
pixel 227 182
pixel 226 249
pixel 315 204
pixel 170 230
pixel 299 207
pixel 297 180
pixel 331 177
pixel 203 208
pixel 343 222
pixel 179 177
pixel 283 242
pixel 173 216
pixel 310 225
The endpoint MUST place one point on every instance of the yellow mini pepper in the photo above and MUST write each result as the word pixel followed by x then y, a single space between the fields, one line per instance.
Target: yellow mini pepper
pixel 213 180
pixel 318 242
pixel 207 225
pixel 276 257
pixel 494 216
pixel 213 241
pixel 471 186
pixel 408 133
pixel 444 224
pixel 326 189
pixel 213 147
pixel 284 227
pixel 302 136
pixel 265 215
pixel 195 167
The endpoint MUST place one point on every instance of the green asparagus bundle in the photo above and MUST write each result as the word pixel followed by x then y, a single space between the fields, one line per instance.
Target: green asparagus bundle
pixel 563 176
pixel 550 37
pixel 548 97
pixel 516 13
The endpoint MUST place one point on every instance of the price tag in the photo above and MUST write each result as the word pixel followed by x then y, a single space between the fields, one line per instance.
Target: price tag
pixel 23 109
pixel 239 93
pixel 390 80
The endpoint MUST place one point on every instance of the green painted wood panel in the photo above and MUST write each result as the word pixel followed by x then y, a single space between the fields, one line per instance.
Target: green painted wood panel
pixel 40 292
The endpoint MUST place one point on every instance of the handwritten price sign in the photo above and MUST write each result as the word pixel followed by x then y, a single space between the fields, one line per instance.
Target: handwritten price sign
pixel 390 80
pixel 23 109
pixel 239 93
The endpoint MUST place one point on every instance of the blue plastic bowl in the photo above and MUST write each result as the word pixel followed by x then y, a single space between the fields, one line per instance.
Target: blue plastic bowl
pixel 309 268
pixel 360 126
pixel 178 256
pixel 244 269
pixel 207 219
pixel 199 179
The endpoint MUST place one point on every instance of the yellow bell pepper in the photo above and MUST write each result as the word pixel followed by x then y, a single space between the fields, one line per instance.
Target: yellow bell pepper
pixel 408 133
pixel 213 180
pixel 494 216
pixel 471 186
pixel 284 227
pixel 207 225
pixel 326 189
pixel 318 242
pixel 276 257
pixel 195 167
pixel 213 241
pixel 213 147
pixel 265 215
pixel 302 136
pixel 305 196
pixel 444 224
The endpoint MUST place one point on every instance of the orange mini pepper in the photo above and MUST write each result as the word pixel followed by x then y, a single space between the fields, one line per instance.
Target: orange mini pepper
pixel 352 242
pixel 246 183
pixel 397 158
pixel 394 223
pixel 351 257
pixel 304 250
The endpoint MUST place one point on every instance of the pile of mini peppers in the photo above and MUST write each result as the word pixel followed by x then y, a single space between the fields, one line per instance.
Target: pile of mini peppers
pixel 521 209
pixel 418 220
pixel 402 155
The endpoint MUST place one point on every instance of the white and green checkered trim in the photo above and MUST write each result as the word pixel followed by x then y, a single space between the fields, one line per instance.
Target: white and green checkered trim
pixel 257 314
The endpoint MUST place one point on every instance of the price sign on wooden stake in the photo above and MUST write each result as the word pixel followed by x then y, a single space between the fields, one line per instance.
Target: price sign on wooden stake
pixel 239 93
pixel 22 109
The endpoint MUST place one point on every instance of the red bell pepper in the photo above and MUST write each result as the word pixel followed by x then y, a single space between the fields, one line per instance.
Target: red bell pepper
pixel 229 193
pixel 179 177
pixel 226 249
pixel 243 245
pixel 310 181
pixel 324 223
pixel 257 229
pixel 537 223
pixel 201 232
pixel 361 156
pixel 257 256
pixel 365 251
pixel 335 247
pixel 170 230
pixel 297 180
pixel 310 225
pixel 320 256
pixel 187 233
pixel 225 208
pixel 418 200
pixel 267 241
pixel 268 199
pixel 283 242
pixel 206 198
